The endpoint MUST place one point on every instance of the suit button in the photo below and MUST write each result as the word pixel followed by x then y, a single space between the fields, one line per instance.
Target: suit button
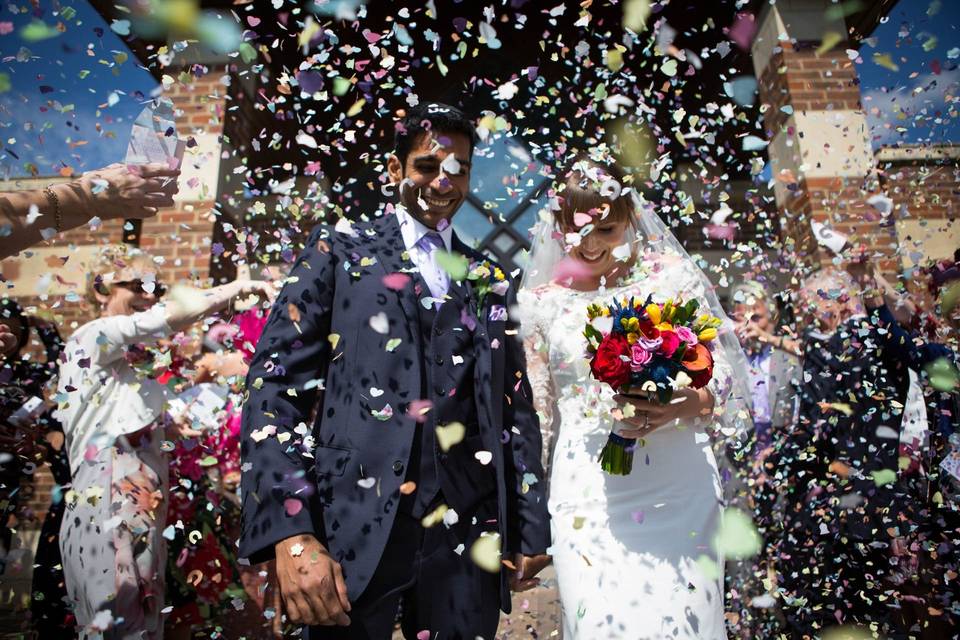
pixel 398 467
pixel 437 331
pixel 438 360
pixel 438 390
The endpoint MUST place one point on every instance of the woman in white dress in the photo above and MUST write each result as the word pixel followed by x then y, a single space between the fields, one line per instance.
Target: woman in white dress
pixel 114 418
pixel 635 555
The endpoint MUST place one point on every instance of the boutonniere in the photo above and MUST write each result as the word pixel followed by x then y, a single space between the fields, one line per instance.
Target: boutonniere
pixel 485 278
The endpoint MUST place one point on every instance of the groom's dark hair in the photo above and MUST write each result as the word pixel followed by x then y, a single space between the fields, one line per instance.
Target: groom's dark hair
pixel 431 116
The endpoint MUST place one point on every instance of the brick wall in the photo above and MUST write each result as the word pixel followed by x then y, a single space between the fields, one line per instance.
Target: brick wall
pixel 805 80
pixel 812 100
pixel 924 184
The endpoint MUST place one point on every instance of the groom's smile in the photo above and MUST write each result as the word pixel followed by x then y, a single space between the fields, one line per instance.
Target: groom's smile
pixel 434 177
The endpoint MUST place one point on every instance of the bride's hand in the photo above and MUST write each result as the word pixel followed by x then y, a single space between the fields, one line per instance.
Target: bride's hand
pixel 650 416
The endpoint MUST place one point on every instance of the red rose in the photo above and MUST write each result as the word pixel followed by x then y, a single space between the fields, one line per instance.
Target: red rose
pixel 648 329
pixel 698 363
pixel 608 364
pixel 670 343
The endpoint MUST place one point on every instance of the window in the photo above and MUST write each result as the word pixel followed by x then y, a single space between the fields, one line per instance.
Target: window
pixel 507 191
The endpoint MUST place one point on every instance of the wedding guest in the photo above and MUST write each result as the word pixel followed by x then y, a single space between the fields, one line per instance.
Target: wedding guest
pixel 203 575
pixel 115 191
pixel 112 411
pixel 49 604
pixel 774 373
pixel 840 464
pixel 926 553
pixel 24 415
pixel 772 356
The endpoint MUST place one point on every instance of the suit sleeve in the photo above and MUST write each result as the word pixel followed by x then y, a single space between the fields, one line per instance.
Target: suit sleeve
pixel 528 526
pixel 800 456
pixel 901 346
pixel 285 374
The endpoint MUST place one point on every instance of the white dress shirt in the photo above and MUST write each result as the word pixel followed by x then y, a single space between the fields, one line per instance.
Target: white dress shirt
pixel 413 231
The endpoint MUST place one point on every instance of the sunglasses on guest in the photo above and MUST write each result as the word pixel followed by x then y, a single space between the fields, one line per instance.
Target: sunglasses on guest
pixel 137 286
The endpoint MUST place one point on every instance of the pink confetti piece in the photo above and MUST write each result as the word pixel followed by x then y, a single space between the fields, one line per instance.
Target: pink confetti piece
pixel 419 409
pixel 582 219
pixel 569 268
pixel 396 281
pixel 743 29
pixel 292 506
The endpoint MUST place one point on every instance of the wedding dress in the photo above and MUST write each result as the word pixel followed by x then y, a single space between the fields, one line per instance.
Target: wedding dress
pixel 634 555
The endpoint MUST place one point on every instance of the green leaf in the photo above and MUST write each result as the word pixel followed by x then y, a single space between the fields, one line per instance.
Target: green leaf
pixel 590 331
pixel 678 354
pixel 454 264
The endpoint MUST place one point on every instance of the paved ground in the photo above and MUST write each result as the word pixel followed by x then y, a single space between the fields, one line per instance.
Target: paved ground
pixel 536 614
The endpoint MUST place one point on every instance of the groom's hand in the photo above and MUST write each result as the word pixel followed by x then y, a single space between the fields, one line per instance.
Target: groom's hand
pixel 524 571
pixel 311 582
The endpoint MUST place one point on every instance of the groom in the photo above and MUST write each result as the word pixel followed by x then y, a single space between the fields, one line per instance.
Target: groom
pixel 391 453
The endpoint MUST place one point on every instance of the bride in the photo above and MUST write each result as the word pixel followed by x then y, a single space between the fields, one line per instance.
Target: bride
pixel 635 555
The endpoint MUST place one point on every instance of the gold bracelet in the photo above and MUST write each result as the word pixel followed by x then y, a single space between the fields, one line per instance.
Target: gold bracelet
pixel 55 203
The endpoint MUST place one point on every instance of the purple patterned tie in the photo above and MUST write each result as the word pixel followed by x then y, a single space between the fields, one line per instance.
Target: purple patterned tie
pixel 437 279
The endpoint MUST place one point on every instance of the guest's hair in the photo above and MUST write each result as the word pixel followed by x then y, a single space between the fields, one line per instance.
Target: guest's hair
pixel 831 283
pixel 583 190
pixel 107 263
pixel 753 290
pixel 431 116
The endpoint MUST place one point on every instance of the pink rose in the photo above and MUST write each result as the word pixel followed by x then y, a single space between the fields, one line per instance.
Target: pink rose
pixel 686 335
pixel 639 357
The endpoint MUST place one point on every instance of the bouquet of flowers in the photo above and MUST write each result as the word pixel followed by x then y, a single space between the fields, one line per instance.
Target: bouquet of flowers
pixel 651 348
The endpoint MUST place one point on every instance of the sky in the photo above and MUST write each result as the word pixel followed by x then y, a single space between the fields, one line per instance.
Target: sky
pixel 921 38
pixel 68 99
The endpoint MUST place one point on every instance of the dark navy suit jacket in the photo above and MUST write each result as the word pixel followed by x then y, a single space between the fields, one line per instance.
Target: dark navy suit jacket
pixel 331 347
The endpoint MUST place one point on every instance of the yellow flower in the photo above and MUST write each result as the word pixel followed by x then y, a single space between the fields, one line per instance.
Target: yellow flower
pixel 668 308
pixel 632 337
pixel 707 334
pixel 630 324
pixel 653 311
pixel 665 326
pixel 498 274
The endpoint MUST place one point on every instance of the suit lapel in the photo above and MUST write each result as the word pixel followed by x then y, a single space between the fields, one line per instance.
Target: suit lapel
pixel 459 247
pixel 490 361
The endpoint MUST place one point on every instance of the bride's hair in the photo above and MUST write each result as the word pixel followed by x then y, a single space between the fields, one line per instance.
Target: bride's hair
pixel 590 187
